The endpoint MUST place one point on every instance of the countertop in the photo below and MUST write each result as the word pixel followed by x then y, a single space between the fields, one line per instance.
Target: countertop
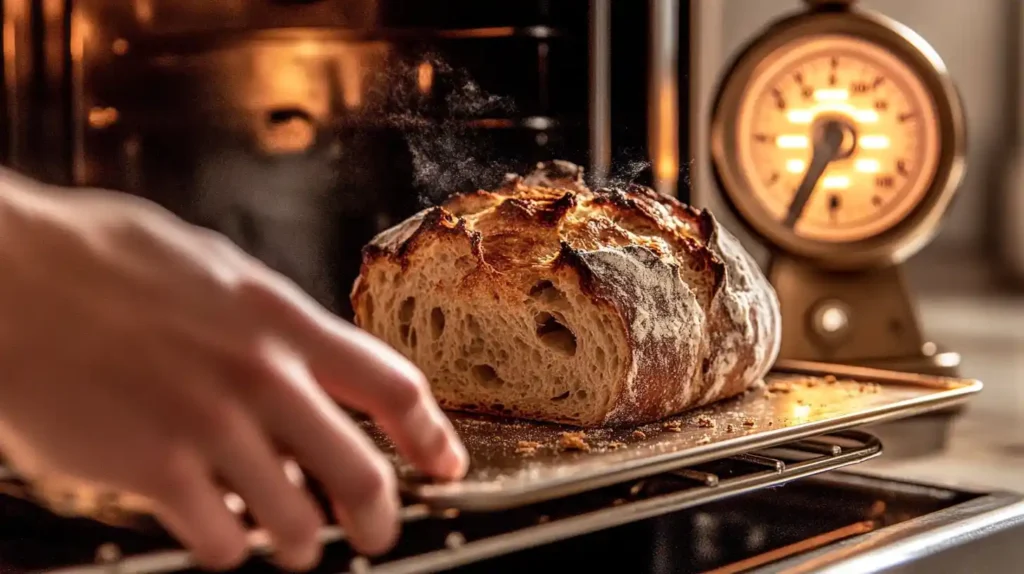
pixel 986 445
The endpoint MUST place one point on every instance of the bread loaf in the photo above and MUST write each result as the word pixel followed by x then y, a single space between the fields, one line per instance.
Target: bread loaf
pixel 548 301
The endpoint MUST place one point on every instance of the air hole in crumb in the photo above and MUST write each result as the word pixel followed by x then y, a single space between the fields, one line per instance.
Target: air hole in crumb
pixel 581 394
pixel 461 364
pixel 436 322
pixel 486 376
pixel 555 335
pixel 705 366
pixel 476 346
pixel 599 353
pixel 405 311
pixel 561 397
pixel 546 292
pixel 404 331
pixel 472 325
pixel 412 338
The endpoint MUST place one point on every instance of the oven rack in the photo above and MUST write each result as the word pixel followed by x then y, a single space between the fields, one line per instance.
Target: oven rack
pixel 438 539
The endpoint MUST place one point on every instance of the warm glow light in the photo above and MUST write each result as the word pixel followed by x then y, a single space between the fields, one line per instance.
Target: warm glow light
pixel 873 142
pixel 795 166
pixel 801 412
pixel 867 165
pixel 791 142
pixel 865 116
pixel 425 77
pixel 831 95
pixel 807 116
pixel 836 182
pixel 800 116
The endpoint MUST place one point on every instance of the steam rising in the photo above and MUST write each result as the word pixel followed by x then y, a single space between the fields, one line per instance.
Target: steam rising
pixel 449 150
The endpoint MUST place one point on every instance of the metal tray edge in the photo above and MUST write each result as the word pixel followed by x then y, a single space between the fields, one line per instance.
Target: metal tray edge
pixel 950 392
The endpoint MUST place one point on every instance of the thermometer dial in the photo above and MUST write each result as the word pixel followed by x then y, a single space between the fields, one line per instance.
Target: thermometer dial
pixel 889 146
pixel 838 136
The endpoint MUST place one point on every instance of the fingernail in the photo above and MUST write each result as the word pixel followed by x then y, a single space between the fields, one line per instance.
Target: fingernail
pixel 455 459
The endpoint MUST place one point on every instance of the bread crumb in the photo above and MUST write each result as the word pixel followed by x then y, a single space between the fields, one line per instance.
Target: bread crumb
pixel 705 422
pixel 573 441
pixel 618 502
pixel 748 422
pixel 729 428
pixel 527 447
pixel 830 379
pixel 780 387
pixel 704 439
pixel 870 388
pixel 636 488
pixel 673 426
pixel 770 423
pixel 544 519
pixel 616 445
pixel 639 434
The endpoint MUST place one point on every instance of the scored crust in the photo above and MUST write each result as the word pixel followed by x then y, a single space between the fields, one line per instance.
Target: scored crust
pixel 546 300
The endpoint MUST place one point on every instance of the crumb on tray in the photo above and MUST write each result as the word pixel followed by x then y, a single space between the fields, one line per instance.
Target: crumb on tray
pixel 705 422
pixel 573 441
pixel 704 439
pixel 729 428
pixel 639 434
pixel 870 388
pixel 780 387
pixel 673 426
pixel 527 447
pixel 616 445
pixel 748 422
pixel 830 379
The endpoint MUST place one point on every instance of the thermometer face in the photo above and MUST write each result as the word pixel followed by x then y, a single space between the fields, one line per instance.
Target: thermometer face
pixel 890 149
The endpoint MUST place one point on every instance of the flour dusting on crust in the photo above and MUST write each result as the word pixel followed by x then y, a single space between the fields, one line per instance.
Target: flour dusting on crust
pixel 665 324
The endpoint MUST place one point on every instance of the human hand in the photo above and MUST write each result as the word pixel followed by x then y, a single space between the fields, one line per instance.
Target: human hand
pixel 148 356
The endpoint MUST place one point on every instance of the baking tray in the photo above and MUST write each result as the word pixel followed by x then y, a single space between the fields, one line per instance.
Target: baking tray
pixel 515 462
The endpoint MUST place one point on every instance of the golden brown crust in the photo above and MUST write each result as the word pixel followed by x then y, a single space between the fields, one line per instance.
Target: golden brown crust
pixel 701 319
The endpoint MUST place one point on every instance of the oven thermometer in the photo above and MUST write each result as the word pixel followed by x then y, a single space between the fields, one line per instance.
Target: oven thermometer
pixel 838 139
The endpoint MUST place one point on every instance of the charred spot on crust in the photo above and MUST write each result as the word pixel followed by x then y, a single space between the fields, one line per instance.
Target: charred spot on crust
pixel 372 252
pixel 613 196
pixel 555 211
pixel 706 224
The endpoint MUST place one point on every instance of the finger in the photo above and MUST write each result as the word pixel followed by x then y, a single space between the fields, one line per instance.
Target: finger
pixel 192 508
pixel 245 460
pixel 360 375
pixel 333 449
pixel 364 373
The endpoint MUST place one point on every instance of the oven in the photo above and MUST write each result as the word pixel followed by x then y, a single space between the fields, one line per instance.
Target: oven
pixel 300 128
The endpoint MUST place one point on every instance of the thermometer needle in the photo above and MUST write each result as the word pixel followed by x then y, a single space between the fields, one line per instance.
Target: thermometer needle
pixel 826 148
